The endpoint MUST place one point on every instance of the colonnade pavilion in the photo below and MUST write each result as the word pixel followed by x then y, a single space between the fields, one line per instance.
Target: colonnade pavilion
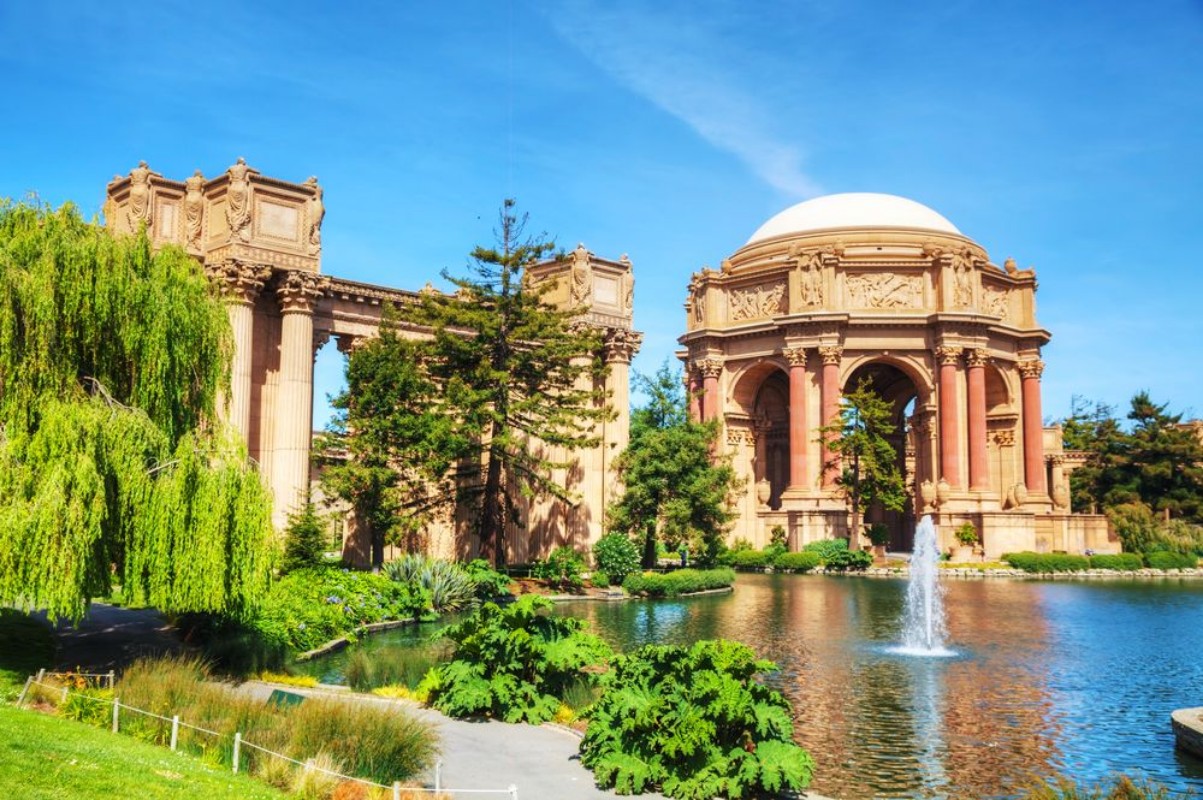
pixel 823 294
pixel 876 287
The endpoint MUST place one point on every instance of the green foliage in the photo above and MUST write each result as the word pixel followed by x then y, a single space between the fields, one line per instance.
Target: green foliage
pixel 309 607
pixel 1163 559
pixel 678 582
pixel 562 569
pixel 449 586
pixel 966 534
pixel 849 561
pixel 490 584
pixel 749 559
pixel 860 444
pixel 803 561
pixel 513 663
pixel 827 549
pixel 1121 562
pixel 1047 562
pixel 695 723
pixel 601 579
pixel 778 537
pixel 111 359
pixel 304 540
pixel 677 490
pixel 1119 788
pixel 879 534
pixel 1154 460
pixel 616 555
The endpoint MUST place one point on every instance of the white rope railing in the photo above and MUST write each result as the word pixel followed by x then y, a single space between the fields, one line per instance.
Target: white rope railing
pixel 176 723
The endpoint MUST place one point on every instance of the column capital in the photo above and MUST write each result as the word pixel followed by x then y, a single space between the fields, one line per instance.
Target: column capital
pixel 299 291
pixel 831 354
pixel 1055 459
pixel 710 367
pixel 239 281
pixel 621 345
pixel 976 357
pixel 1032 368
pixel 946 355
pixel 796 356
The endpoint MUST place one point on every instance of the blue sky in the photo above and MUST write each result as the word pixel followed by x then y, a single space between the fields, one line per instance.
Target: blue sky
pixel 1067 135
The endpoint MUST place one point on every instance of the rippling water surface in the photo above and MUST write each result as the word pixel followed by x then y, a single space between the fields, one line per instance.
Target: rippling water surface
pixel 1046 677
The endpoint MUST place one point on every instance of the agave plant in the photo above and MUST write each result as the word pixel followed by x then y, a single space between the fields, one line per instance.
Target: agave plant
pixel 451 587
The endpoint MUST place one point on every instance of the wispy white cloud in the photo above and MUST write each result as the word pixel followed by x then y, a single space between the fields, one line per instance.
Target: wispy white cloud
pixel 677 62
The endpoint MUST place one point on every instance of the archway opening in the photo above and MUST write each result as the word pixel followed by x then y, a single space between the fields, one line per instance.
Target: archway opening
pixel 771 412
pixel 900 392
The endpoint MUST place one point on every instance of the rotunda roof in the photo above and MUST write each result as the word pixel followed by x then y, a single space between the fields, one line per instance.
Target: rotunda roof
pixel 853 210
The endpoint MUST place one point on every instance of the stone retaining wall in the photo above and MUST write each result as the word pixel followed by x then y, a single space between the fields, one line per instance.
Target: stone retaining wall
pixel 1188 730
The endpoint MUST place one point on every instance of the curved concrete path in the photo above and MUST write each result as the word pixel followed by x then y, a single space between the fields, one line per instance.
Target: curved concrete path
pixel 111 637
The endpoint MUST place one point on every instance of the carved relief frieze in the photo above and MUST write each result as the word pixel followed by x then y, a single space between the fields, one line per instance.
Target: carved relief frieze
pixel 757 302
pixel 995 301
pixel 884 290
pixel 1003 438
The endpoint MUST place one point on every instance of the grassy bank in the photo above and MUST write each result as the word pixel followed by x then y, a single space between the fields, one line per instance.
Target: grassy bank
pixel 49 757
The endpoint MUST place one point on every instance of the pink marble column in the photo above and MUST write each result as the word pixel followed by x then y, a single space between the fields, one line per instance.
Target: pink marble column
pixel 1033 428
pixel 796 356
pixel 710 367
pixel 240 284
pixel 950 440
pixel 293 418
pixel 694 387
pixel 979 469
pixel 829 403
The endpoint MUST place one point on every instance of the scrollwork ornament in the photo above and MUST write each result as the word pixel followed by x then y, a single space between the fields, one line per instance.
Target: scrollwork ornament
pixel 239 280
pixel 796 356
pixel 831 354
pixel 976 357
pixel 299 291
pixel 946 356
pixel 710 367
pixel 1032 368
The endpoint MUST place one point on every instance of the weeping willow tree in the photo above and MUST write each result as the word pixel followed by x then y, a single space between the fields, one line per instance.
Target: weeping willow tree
pixel 113 466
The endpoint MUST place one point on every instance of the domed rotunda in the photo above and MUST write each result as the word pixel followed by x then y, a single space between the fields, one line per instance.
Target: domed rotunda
pixel 860 286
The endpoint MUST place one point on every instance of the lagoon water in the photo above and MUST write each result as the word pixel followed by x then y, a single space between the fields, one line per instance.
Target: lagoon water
pixel 1074 678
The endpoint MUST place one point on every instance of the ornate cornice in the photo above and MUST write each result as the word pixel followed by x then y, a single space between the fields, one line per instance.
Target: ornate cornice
pixel 238 280
pixel 796 356
pixel 1032 368
pixel 299 291
pixel 948 355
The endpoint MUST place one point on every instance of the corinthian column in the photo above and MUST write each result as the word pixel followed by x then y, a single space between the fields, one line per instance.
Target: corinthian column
pixel 950 440
pixel 796 356
pixel 710 368
pixel 1033 428
pixel 979 470
pixel 829 404
pixel 240 284
pixel 620 347
pixel 297 292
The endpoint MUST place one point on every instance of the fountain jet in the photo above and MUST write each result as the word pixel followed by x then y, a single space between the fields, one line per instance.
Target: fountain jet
pixel 924 631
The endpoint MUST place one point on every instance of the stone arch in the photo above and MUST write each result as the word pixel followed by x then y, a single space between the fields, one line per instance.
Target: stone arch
pixel 999 392
pixel 920 374
pixel 747 380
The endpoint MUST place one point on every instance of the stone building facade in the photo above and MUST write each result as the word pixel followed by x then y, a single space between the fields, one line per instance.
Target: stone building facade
pixel 259 239
pixel 867 286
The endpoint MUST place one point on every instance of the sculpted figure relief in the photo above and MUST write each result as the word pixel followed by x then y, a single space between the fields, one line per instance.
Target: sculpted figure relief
pixel 962 268
pixel 758 301
pixel 697 300
pixel 995 301
pixel 139 196
pixel 885 290
pixel 238 201
pixel 810 278
pixel 580 275
pixel 317 212
pixel 194 210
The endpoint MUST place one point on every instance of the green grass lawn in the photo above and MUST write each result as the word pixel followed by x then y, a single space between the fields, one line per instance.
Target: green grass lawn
pixel 43 757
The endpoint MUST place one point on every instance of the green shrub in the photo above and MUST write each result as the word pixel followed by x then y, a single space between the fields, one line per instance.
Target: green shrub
pixel 879 534
pixel 678 582
pixel 311 606
pixel 778 537
pixel 827 548
pixel 694 722
pixel 616 555
pixel 966 534
pixel 490 584
pixel 513 663
pixel 849 561
pixel 600 579
pixel 749 559
pixel 1047 562
pixel 304 540
pixel 562 569
pixel 804 561
pixel 1123 562
pixel 1167 560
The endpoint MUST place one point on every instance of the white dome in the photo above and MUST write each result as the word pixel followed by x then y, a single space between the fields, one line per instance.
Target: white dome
pixel 853 210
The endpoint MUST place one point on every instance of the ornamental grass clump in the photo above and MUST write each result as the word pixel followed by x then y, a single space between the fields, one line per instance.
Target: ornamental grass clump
pixel 451 587
pixel 514 663
pixel 694 723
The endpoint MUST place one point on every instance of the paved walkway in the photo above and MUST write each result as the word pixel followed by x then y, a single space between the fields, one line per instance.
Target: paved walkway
pixel 111 637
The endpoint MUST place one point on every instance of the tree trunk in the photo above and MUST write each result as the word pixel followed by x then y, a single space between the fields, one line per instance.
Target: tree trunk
pixel 649 547
pixel 492 545
pixel 377 549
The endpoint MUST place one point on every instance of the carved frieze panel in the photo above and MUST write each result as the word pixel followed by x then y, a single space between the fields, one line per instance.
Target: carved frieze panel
pixel 756 302
pixel 995 301
pixel 884 290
